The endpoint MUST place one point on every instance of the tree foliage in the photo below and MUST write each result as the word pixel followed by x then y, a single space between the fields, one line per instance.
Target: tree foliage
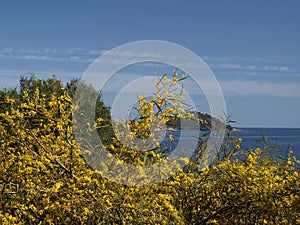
pixel 45 180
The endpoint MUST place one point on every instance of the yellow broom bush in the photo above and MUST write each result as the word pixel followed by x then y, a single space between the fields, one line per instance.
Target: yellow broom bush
pixel 44 179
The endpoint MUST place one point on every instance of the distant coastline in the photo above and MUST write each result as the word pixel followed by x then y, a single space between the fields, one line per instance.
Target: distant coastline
pixel 176 124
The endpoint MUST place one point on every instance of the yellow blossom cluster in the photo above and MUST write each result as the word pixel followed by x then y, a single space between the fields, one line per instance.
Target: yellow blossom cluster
pixel 45 180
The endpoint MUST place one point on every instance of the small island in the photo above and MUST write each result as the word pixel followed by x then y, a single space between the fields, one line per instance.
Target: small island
pixel 176 124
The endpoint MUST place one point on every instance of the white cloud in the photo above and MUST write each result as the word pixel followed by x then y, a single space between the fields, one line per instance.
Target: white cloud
pixel 294 74
pixel 256 88
pixel 253 67
pixel 7 50
pixel 230 66
pixel 245 66
pixel 269 59
pixel 94 52
pixel 78 55
pixel 78 51
pixel 275 68
pixel 234 87
pixel 46 58
pixel 10 78
pixel 82 55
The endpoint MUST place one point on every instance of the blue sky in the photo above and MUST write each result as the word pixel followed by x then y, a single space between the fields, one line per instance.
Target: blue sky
pixel 251 46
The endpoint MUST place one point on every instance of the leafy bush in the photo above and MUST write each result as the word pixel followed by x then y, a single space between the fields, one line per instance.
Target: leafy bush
pixel 45 180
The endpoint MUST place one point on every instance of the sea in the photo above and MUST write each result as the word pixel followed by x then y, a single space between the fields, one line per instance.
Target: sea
pixel 283 139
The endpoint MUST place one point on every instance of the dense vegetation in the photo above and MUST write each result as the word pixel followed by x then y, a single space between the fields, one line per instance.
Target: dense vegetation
pixel 45 180
pixel 175 124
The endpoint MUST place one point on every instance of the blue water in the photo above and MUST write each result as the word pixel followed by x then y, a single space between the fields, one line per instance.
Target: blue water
pixel 283 138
